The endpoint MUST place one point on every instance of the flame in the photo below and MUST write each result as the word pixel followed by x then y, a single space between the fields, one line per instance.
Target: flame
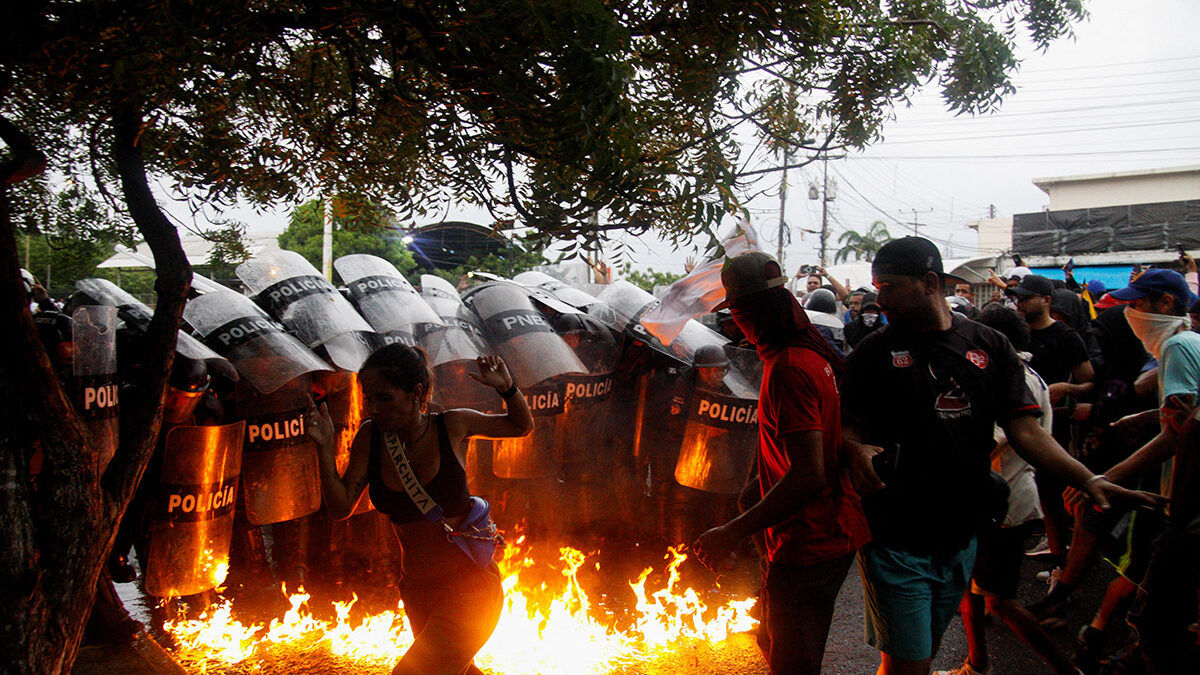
pixel 542 629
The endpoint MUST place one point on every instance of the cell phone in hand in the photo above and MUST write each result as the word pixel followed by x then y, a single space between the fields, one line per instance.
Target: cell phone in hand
pixel 1017 260
pixel 1182 251
pixel 1070 266
pixel 887 463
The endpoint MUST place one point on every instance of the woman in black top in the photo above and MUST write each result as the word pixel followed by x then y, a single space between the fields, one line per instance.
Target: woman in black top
pixel 452 603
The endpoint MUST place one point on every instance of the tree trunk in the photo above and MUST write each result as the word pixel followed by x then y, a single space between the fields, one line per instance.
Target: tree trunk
pixel 58 524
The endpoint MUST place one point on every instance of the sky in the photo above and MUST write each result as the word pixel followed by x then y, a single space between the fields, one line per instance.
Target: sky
pixel 1123 95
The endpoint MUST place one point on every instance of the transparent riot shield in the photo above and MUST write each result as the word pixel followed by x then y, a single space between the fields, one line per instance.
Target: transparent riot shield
pixel 293 291
pixel 568 294
pixel 192 520
pixel 385 298
pixel 623 305
pixel 452 345
pixel 532 456
pixel 137 315
pixel 720 441
pixel 280 478
pixel 240 331
pixel 521 334
pixel 95 388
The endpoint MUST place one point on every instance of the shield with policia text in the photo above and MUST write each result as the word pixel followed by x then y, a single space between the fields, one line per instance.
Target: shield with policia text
pixel 257 346
pixel 95 389
pixel 137 315
pixel 192 517
pixel 452 346
pixel 293 291
pixel 280 473
pixel 720 438
pixel 539 360
pixel 385 298
pixel 280 479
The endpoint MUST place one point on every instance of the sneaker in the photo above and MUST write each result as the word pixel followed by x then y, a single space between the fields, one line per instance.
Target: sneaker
pixel 1050 577
pixel 964 669
pixel 1042 548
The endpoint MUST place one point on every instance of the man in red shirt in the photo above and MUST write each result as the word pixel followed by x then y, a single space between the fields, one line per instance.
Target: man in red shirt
pixel 813 521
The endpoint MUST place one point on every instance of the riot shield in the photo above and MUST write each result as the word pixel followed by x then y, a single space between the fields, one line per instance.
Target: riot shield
pixel 521 334
pixel 256 345
pixel 568 294
pixel 586 432
pixel 623 305
pixel 452 346
pixel 385 298
pixel 459 336
pixel 280 476
pixel 96 390
pixel 293 291
pixel 192 522
pixel 532 456
pixel 137 315
pixel 720 441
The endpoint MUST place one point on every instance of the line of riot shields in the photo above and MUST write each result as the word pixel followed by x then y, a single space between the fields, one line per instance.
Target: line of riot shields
pixel 633 438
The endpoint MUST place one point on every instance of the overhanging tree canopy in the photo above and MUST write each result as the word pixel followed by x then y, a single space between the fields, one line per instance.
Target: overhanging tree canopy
pixel 547 113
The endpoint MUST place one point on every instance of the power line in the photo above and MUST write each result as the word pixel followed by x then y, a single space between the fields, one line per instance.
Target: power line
pixel 1043 132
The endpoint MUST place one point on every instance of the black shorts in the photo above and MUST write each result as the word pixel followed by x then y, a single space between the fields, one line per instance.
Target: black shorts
pixel 998 562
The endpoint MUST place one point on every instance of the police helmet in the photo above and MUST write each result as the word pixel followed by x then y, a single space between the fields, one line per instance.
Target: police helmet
pixel 710 356
pixel 821 300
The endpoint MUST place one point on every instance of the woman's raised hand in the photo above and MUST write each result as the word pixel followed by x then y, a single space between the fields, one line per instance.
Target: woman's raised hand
pixel 319 425
pixel 493 373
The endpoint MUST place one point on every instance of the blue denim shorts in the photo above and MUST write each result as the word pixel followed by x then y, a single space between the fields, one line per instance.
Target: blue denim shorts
pixel 911 598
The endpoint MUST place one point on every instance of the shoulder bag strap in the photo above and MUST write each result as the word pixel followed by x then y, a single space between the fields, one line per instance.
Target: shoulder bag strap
pixel 424 503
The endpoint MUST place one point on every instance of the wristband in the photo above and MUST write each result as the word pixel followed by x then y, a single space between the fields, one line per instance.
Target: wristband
pixel 1093 479
pixel 509 392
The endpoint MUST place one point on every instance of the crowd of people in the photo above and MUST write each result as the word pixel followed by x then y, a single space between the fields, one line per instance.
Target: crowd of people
pixel 946 433
pixel 900 428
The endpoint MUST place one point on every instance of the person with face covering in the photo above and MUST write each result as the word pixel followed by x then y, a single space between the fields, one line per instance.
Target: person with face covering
pixel 1167 603
pixel 809 511
pixel 868 321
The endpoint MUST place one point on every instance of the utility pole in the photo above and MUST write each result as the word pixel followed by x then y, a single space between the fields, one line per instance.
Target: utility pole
pixel 825 195
pixel 327 239
pixel 916 224
pixel 783 233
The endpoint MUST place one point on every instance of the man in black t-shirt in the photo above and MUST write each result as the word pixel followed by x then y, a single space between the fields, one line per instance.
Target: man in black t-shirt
pixel 1060 357
pixel 922 394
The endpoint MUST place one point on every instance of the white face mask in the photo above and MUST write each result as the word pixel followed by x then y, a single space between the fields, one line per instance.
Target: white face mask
pixel 1154 329
pixel 869 319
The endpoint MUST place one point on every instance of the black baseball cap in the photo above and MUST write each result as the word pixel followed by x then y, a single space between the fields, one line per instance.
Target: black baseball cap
pixel 910 257
pixel 1032 284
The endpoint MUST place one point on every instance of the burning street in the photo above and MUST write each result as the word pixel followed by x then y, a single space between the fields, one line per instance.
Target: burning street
pixel 548 626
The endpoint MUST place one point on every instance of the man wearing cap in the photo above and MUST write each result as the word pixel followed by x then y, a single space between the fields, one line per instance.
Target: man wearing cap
pixel 1061 358
pixel 923 394
pixel 1156 312
pixel 813 520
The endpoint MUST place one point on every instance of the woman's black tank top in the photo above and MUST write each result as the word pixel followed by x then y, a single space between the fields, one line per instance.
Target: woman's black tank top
pixel 448 487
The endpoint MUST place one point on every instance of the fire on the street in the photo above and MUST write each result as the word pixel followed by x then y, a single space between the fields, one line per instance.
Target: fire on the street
pixel 541 630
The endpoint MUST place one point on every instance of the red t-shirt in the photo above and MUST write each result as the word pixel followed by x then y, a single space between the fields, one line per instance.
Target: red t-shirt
pixel 799 393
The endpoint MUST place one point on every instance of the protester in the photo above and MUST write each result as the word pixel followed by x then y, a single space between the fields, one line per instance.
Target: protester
pixel 452 600
pixel 869 320
pixel 1168 599
pixel 998 561
pixel 812 517
pixel 1061 358
pixel 930 388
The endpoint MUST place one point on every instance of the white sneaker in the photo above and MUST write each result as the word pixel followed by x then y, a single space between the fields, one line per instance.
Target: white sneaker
pixel 1040 549
pixel 1050 577
pixel 964 669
